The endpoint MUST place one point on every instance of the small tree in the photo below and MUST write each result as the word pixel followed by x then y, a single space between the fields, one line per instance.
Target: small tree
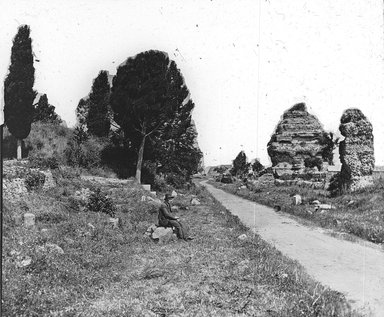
pixel 98 122
pixel 146 94
pixel 18 88
pixel 45 112
pixel 82 112
pixel 240 165
pixel 257 166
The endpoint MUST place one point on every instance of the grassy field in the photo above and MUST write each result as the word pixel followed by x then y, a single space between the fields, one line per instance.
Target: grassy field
pixel 360 214
pixel 121 272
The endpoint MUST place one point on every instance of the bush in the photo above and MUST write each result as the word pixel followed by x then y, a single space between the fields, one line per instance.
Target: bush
pixel 86 154
pixel 46 144
pixel 100 202
pixel 176 180
pixel 39 161
pixel 311 162
pixel 34 180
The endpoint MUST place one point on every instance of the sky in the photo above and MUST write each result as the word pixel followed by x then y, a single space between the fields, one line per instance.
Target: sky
pixel 244 62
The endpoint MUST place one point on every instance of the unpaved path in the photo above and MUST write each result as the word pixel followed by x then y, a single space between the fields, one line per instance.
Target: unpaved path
pixel 356 270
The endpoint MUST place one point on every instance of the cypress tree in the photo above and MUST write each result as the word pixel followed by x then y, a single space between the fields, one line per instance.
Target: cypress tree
pixel 45 112
pixel 98 122
pixel 18 88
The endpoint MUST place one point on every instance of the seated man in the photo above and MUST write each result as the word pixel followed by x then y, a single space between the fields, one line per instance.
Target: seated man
pixel 167 220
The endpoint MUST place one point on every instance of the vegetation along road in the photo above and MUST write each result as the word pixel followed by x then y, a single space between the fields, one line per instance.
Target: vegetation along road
pixel 355 269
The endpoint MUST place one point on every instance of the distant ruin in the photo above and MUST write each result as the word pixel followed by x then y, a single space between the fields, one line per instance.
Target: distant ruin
pixel 300 149
pixel 356 150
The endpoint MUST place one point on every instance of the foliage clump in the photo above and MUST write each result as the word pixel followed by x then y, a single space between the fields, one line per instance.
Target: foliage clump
pixel 34 180
pixel 100 202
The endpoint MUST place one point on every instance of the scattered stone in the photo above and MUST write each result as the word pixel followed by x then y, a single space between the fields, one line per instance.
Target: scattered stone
pixel 146 187
pixel 195 202
pixel 350 203
pixel 315 202
pixel 296 200
pixel 24 262
pixel 324 207
pixel 161 232
pixel 174 194
pixel 54 247
pixel 356 150
pixel 49 247
pixel 174 208
pixel 45 233
pixel 154 200
pixel 91 226
pixel 151 228
pixel 114 222
pixel 242 237
pixel 14 253
pixel 243 187
pixel 29 220
pixel 143 198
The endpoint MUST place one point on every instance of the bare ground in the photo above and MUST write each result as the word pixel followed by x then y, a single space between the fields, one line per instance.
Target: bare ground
pixel 354 269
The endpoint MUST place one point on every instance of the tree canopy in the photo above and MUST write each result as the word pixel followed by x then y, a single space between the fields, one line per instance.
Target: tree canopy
pixel 18 86
pixel 45 112
pixel 150 100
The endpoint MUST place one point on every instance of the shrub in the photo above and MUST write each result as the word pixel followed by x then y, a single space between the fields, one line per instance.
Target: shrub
pixel 86 154
pixel 39 161
pixel 34 180
pixel 100 202
pixel 311 162
pixel 176 180
pixel 47 141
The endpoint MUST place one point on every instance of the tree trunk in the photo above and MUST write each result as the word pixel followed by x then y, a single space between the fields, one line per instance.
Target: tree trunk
pixel 140 160
pixel 19 149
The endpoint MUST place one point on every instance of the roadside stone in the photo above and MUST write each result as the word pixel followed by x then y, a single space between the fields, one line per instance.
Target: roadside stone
pixel 24 262
pixel 324 207
pixel 296 200
pixel 195 202
pixel 54 247
pixel 161 233
pixel 242 237
pixel 151 228
pixel 114 222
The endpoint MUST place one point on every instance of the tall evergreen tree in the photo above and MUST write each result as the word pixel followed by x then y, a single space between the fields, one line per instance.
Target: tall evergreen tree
pixel 82 112
pixel 146 92
pixel 18 88
pixel 98 121
pixel 45 112
pixel 240 165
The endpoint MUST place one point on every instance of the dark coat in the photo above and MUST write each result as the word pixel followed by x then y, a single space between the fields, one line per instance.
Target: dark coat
pixel 165 214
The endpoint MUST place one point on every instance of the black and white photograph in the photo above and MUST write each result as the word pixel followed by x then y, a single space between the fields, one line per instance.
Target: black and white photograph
pixel 169 158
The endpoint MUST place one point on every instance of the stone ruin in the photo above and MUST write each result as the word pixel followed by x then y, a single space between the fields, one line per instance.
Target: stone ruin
pixel 356 150
pixel 297 148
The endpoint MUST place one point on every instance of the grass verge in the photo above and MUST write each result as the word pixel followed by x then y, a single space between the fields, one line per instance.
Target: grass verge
pixel 360 214
pixel 120 272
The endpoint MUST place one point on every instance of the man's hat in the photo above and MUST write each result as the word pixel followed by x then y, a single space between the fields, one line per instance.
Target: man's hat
pixel 169 196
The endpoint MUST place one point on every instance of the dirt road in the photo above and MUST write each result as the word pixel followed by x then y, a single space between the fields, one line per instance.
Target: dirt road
pixel 354 269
